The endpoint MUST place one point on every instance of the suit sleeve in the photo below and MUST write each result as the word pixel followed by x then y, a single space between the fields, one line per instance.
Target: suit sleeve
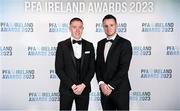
pixel 98 65
pixel 91 68
pixel 59 67
pixel 124 63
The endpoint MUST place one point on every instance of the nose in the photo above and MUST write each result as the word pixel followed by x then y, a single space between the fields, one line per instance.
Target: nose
pixel 77 30
pixel 108 28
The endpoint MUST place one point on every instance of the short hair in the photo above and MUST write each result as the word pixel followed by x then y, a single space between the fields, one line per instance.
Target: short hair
pixel 75 19
pixel 109 16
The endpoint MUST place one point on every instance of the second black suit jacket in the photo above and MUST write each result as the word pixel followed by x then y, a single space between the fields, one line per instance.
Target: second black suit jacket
pixel 115 70
pixel 65 65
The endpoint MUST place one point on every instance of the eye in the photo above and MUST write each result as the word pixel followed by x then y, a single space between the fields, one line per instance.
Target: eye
pixel 74 27
pixel 111 25
pixel 105 26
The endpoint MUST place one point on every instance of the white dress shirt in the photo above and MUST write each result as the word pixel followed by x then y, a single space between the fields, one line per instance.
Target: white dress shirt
pixel 108 45
pixel 77 48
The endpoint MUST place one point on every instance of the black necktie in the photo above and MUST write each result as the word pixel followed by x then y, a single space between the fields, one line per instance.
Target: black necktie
pixel 75 41
pixel 110 40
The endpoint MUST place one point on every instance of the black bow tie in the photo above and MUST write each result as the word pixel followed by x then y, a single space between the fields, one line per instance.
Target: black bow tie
pixel 110 40
pixel 75 41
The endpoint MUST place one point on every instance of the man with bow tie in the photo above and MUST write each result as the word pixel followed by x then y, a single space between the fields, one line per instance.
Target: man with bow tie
pixel 75 66
pixel 112 64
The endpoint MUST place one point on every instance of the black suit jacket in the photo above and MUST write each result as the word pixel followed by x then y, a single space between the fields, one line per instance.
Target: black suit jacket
pixel 115 70
pixel 65 65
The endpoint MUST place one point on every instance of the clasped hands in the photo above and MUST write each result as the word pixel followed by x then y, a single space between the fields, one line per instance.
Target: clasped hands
pixel 105 89
pixel 78 89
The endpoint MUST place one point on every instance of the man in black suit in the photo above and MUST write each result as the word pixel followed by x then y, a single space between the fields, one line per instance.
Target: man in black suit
pixel 75 66
pixel 114 54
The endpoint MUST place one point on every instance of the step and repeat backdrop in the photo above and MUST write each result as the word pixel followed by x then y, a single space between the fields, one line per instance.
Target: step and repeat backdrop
pixel 31 29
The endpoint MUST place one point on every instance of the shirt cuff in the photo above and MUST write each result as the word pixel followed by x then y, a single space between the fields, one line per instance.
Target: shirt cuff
pixel 101 82
pixel 111 87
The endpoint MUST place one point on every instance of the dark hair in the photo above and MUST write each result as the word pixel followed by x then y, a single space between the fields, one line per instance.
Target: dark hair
pixel 109 16
pixel 75 19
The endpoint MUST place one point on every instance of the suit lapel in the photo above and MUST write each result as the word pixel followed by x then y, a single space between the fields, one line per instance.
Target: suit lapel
pixel 82 55
pixel 112 48
pixel 71 51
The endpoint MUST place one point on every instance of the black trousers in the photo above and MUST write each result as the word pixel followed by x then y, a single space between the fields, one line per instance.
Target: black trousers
pixel 115 101
pixel 81 102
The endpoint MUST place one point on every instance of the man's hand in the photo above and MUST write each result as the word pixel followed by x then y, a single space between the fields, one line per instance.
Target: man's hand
pixel 73 87
pixel 78 89
pixel 105 89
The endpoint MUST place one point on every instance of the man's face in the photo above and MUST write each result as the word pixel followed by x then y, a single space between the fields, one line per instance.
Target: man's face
pixel 76 29
pixel 109 26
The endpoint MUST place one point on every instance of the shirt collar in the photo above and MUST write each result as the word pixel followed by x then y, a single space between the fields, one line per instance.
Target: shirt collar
pixel 72 38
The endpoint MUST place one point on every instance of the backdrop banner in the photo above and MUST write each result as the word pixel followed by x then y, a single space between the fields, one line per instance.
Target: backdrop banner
pixel 31 29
